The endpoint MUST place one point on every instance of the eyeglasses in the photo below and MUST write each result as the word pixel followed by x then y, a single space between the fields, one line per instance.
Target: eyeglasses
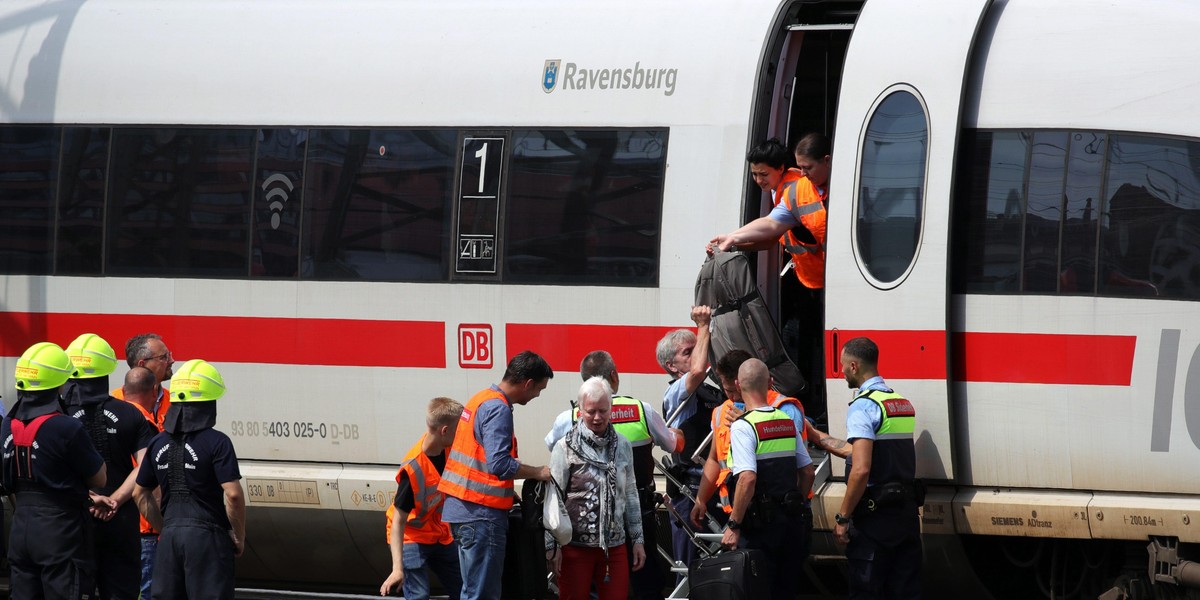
pixel 165 355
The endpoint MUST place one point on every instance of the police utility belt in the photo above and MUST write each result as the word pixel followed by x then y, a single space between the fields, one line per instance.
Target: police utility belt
pixel 767 509
pixel 892 493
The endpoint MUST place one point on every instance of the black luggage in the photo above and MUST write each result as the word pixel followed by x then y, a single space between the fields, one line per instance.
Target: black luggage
pixel 741 319
pixel 525 559
pixel 733 575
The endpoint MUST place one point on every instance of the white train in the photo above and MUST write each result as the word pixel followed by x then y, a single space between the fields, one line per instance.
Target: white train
pixel 353 207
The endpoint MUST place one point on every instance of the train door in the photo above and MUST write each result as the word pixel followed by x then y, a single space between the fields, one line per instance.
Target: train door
pixel 798 94
pixel 887 271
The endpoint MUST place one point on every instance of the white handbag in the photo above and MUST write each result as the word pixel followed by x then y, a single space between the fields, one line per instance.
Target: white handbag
pixel 554 513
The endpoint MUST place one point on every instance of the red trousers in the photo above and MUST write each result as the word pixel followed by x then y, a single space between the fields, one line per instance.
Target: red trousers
pixel 581 567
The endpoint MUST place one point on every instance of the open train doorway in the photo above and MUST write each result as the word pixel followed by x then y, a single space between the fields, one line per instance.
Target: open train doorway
pixel 799 82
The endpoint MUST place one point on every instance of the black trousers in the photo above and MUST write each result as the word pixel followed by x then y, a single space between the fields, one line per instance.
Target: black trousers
pixel 648 582
pixel 119 555
pixel 785 542
pixel 194 562
pixel 879 571
pixel 49 551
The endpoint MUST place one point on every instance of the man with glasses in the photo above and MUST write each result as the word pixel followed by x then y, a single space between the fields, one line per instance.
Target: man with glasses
pixel 149 351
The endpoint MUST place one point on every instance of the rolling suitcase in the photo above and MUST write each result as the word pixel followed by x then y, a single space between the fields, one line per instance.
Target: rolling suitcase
pixel 734 575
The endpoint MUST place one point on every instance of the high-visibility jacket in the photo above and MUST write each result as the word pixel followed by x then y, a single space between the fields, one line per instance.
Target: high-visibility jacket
pixel 774 452
pixel 424 524
pixel 629 421
pixel 156 419
pixel 807 205
pixel 466 476
pixel 721 446
pixel 893 455
pixel 777 400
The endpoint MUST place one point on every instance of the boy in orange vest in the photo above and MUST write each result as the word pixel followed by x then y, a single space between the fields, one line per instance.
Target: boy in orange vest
pixel 415 531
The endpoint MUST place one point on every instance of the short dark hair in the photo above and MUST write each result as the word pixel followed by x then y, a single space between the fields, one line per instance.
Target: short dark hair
pixel 728 366
pixel 864 350
pixel 813 145
pixel 526 366
pixel 138 348
pixel 771 153
pixel 597 363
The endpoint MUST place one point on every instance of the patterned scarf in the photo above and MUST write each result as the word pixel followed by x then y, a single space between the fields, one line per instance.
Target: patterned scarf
pixel 598 451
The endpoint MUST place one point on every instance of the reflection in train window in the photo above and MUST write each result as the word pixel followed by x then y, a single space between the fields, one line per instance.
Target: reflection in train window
pixel 892 186
pixel 1108 214
pixel 28 172
pixel 179 202
pixel 81 201
pixel 584 206
pixel 377 204
pixel 278 188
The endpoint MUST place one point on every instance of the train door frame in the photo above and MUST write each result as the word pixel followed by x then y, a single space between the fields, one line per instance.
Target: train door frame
pixel 784 57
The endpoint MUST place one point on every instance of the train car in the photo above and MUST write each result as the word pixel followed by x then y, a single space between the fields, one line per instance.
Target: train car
pixel 354 207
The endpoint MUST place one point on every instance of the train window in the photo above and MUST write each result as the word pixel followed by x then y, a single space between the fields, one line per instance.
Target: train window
pixel 1043 213
pixel 1150 228
pixel 892 186
pixel 28 175
pixel 1085 171
pixel 277 205
pixel 993 210
pixel 179 202
pixel 81 201
pixel 377 204
pixel 585 206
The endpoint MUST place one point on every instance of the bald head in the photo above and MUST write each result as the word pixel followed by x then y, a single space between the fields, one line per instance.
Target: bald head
pixel 753 379
pixel 139 384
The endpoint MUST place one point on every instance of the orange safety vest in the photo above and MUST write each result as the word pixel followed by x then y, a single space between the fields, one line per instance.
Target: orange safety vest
pixel 156 419
pixel 424 524
pixel 807 205
pixel 466 476
pixel 721 445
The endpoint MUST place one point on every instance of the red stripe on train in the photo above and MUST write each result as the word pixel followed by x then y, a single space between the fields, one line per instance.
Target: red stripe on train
pixel 996 357
pixel 337 342
pixel 564 346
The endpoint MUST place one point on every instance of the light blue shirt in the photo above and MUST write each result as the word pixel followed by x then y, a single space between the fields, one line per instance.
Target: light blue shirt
pixel 743 443
pixel 494 430
pixel 675 395
pixel 797 417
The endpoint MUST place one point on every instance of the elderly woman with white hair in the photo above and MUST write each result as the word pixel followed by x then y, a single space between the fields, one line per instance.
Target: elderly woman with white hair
pixel 594 466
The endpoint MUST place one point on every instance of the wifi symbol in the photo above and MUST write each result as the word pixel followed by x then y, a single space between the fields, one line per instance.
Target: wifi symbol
pixel 277 187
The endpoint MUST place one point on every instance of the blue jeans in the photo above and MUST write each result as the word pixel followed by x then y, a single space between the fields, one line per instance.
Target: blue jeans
pixel 149 547
pixel 443 560
pixel 481 557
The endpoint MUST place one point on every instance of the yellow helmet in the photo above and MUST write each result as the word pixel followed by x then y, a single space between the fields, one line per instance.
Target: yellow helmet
pixel 196 381
pixel 44 366
pixel 92 357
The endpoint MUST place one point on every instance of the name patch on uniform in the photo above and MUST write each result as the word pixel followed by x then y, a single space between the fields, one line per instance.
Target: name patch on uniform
pixel 899 407
pixel 626 413
pixel 466 415
pixel 773 430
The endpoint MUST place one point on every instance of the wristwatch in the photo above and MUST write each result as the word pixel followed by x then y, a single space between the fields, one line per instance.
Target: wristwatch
pixel 734 525
pixel 841 520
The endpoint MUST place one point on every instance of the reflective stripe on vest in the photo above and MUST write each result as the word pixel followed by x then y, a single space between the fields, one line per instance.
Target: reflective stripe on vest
pixel 466 476
pixel 893 455
pixel 774 434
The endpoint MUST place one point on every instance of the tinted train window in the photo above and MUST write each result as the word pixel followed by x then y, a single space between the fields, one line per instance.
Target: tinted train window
pixel 1150 232
pixel 377 204
pixel 892 186
pixel 81 201
pixel 1043 212
pixel 278 186
pixel 1085 171
pixel 28 176
pixel 179 202
pixel 585 207
pixel 992 210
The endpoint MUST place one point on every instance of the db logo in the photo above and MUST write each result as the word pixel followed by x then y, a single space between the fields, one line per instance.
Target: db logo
pixel 475 346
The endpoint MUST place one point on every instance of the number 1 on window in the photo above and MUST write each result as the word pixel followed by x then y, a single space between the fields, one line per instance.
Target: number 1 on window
pixel 481 154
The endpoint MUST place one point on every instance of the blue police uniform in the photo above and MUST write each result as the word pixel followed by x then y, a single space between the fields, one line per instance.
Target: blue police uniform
pixel 118 431
pixel 50 550
pixel 885 541
pixel 195 552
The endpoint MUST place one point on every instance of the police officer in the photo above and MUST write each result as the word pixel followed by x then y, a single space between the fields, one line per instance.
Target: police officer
pixel 50 548
pixel 202 513
pixel 644 428
pixel 768 502
pixel 878 519
pixel 121 435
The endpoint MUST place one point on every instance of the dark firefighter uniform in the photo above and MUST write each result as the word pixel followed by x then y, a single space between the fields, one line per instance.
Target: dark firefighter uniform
pixel 191 462
pixel 50 550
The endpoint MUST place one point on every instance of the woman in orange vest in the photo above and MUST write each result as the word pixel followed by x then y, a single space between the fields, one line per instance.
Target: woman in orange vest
pixel 415 531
